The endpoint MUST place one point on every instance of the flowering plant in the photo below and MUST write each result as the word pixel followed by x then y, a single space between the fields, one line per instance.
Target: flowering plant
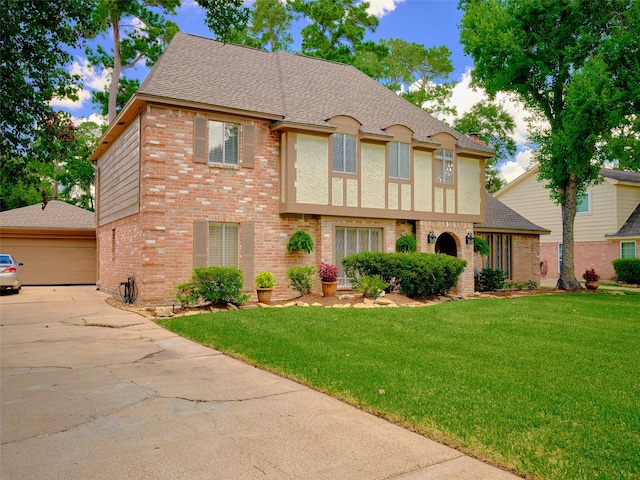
pixel 328 272
pixel 591 276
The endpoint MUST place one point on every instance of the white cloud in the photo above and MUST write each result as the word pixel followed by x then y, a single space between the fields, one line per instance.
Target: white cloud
pixel 91 80
pixel 94 117
pixel 380 8
pixel 511 170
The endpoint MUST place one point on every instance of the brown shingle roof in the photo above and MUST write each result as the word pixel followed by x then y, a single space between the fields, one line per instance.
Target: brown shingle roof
pixel 499 217
pixel 296 88
pixel 58 215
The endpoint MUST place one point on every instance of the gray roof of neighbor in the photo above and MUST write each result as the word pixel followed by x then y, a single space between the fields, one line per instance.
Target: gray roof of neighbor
pixel 621 175
pixel 295 88
pixel 500 217
pixel 56 214
pixel 631 227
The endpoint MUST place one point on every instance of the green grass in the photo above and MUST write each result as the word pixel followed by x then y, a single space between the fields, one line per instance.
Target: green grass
pixel 546 386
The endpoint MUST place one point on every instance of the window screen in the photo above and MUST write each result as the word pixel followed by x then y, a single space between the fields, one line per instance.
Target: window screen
pixel 223 143
pixel 399 160
pixel 344 153
pixel 223 245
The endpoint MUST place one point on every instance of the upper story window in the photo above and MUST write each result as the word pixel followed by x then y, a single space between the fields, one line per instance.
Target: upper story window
pixel 344 153
pixel 583 203
pixel 444 166
pixel 224 143
pixel 399 160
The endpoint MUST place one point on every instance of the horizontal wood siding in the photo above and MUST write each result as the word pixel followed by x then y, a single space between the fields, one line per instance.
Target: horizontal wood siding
pixel 120 177
pixel 593 226
pixel 531 200
pixel 628 200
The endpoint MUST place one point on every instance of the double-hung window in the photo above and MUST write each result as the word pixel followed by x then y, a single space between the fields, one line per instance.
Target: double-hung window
pixel 628 249
pixel 444 166
pixel 399 160
pixel 344 153
pixel 223 143
pixel 354 240
pixel 583 203
pixel 223 245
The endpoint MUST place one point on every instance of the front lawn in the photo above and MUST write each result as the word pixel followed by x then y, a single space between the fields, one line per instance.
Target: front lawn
pixel 546 386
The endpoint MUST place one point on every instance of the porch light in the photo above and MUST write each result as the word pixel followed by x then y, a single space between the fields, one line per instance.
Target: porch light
pixel 431 238
pixel 469 238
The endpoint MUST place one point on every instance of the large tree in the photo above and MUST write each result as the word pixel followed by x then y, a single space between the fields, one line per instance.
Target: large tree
pixel 494 126
pixel 575 63
pixel 337 28
pixel 269 27
pixel 139 30
pixel 421 73
pixel 36 37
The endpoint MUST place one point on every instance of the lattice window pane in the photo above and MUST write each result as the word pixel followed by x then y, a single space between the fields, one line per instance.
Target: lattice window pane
pixel 393 160
pixel 338 152
pixel 404 160
pixel 350 154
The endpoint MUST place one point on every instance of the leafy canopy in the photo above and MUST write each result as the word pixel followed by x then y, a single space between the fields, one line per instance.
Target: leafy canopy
pixel 576 64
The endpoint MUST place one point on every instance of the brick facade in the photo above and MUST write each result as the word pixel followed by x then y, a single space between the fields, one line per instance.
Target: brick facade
pixel 156 245
pixel 587 255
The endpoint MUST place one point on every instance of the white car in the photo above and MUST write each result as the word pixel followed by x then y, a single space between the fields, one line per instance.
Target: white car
pixel 9 273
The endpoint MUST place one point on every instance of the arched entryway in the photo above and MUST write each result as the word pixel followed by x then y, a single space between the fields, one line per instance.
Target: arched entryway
pixel 447 244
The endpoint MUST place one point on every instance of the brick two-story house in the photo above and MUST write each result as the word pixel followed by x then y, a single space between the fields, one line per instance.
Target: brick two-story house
pixel 225 151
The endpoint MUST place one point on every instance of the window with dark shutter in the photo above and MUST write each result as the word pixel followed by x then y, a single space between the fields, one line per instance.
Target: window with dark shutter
pixel 200 242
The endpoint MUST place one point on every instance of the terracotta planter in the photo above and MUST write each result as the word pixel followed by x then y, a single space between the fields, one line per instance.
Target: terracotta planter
pixel 592 285
pixel 329 289
pixel 264 295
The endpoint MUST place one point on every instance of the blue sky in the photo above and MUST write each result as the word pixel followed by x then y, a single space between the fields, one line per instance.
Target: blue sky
pixel 429 22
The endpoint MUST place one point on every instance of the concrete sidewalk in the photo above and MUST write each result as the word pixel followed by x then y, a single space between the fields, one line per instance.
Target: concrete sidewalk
pixel 93 392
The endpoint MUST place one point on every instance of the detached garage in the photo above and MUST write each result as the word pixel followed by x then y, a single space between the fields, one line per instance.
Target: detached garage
pixel 57 244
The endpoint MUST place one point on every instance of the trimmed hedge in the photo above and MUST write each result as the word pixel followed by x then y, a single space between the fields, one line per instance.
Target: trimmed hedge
pixel 627 269
pixel 416 275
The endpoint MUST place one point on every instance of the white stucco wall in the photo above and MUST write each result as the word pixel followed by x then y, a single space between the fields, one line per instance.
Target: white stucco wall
pixel 422 181
pixel 312 173
pixel 469 188
pixel 372 175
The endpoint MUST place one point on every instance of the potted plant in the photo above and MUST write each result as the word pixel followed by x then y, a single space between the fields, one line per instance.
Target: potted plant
pixel 300 241
pixel 264 281
pixel 329 277
pixel 592 279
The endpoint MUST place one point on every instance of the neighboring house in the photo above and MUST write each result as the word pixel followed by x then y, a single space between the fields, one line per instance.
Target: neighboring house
pixel 57 244
pixel 225 151
pixel 606 223
pixel 514 242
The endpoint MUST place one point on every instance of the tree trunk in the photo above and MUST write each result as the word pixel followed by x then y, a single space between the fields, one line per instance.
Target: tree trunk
pixel 117 67
pixel 567 280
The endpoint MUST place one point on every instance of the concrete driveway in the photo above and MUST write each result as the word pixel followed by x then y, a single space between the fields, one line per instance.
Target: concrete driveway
pixel 93 392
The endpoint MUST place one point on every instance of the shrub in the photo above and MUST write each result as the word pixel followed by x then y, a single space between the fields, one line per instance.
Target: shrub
pixel 301 278
pixel 416 275
pixel 214 285
pixel 369 286
pixel 264 280
pixel 531 285
pixel 300 241
pixel 186 295
pixel 328 272
pixel 406 243
pixel 627 269
pixel 490 280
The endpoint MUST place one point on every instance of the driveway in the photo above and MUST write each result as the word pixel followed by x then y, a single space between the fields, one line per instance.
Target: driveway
pixel 93 392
